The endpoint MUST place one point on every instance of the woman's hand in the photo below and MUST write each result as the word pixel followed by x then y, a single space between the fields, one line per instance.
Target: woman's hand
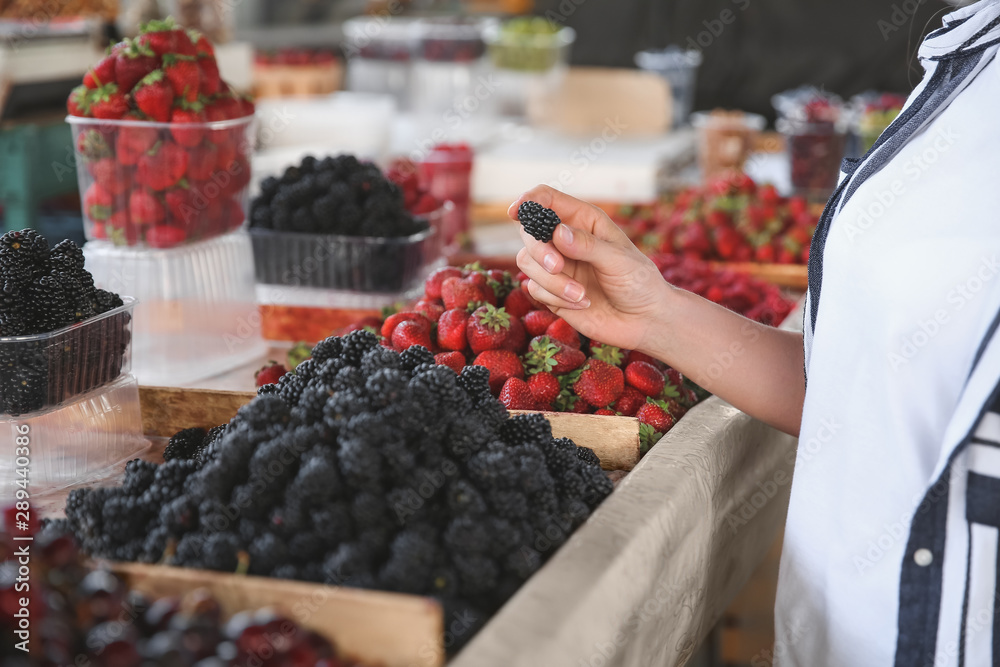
pixel 590 274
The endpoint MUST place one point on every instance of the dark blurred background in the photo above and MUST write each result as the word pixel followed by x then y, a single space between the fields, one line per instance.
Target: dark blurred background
pixel 846 46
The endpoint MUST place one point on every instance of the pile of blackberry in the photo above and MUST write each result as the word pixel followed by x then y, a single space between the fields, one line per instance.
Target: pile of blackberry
pixel 91 617
pixel 43 290
pixel 335 195
pixel 364 467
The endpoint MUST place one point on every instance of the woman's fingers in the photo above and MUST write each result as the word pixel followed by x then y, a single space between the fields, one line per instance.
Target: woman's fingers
pixel 544 254
pixel 554 303
pixel 558 286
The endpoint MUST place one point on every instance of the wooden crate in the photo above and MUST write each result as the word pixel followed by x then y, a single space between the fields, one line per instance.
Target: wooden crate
pixel 166 410
pixel 270 81
pixel 792 276
pixel 373 627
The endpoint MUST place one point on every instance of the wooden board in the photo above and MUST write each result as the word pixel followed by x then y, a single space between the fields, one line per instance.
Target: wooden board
pixel 166 410
pixel 794 276
pixel 373 627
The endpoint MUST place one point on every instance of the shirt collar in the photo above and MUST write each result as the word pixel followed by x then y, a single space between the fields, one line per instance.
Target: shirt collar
pixel 964 30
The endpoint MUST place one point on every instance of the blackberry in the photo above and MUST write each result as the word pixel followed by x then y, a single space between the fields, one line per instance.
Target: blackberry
pixel 475 380
pixel 213 436
pixel 379 357
pixel 509 504
pixel 355 344
pixel 414 356
pixel 260 216
pixel 266 553
pixel 291 176
pixel 327 349
pixel 413 556
pixel 477 573
pixel 139 475
pixel 26 247
pixel 349 565
pixel 334 524
pixel 269 186
pixel 52 306
pixel 537 220
pixel 107 301
pixel 464 498
pixel 168 482
pixel 386 386
pixel 184 444
pixel 308 164
pixel 348 378
pixel 67 256
pixel 311 404
pixel 466 535
pixel 531 429
pixel 317 482
pixel 369 510
pixel 587 455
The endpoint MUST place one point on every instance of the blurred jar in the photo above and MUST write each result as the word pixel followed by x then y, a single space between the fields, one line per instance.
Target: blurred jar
pixel 212 18
pixel 529 55
pixel 725 139
pixel 379 54
pixel 449 68
pixel 446 171
pixel 873 112
pixel 680 69
pixel 815 125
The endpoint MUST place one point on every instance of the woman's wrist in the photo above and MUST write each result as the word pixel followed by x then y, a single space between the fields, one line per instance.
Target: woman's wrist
pixel 656 336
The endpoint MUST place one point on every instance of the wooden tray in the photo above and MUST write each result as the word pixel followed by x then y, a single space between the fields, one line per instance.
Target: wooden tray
pixel 166 410
pixel 374 627
pixel 793 276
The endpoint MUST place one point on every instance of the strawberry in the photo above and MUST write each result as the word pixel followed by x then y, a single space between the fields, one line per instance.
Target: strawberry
pixel 544 387
pixel 561 330
pixel 515 395
pixel 656 416
pixel 482 280
pixel 502 365
pixel 163 166
pixel 202 161
pixel 396 318
pixel 764 254
pixel 145 209
pixel 108 102
pixel 91 145
pixel 134 62
pixel 234 215
pixel 192 136
pixel 133 142
pixel 203 48
pixel 78 103
pixel 103 73
pixel 518 303
pixel 451 328
pixel 409 333
pixel 181 208
pixel 600 384
pixel 537 321
pixel 165 37
pixel 674 377
pixel 453 360
pixel 107 173
pixel 120 229
pixel 97 202
pixel 269 374
pixel 606 412
pixel 209 81
pixel 98 230
pixel 634 355
pixel 432 309
pixel 248 108
pixel 165 236
pixel 630 401
pixel 517 339
pixel 552 356
pixel 461 292
pixel 154 96
pixel 432 286
pixel 645 377
pixel 488 329
pixel 609 354
pixel 184 76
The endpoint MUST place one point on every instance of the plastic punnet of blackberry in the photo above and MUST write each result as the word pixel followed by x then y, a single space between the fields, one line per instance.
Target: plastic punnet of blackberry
pixel 184 444
pixel 537 220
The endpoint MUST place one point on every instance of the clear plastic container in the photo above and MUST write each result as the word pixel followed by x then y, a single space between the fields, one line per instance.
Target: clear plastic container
pixel 526 65
pixel 353 263
pixel 815 125
pixel 42 371
pixel 449 71
pixel 680 68
pixel 872 113
pixel 161 185
pixel 197 315
pixel 725 139
pixel 82 441
pixel 379 50
pixel 446 171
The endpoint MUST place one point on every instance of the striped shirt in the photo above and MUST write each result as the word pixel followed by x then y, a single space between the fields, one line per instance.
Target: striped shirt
pixel 891 545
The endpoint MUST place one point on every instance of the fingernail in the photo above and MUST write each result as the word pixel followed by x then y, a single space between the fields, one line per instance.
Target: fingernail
pixel 573 292
pixel 549 262
pixel 566 233
pixel 585 303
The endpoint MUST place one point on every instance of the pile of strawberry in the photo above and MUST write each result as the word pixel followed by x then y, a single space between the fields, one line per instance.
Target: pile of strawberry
pixel 157 184
pixel 537 361
pixel 755 299
pixel 417 196
pixel 730 219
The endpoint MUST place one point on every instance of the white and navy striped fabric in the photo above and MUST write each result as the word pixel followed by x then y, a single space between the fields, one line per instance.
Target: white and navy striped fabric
pixel 891 554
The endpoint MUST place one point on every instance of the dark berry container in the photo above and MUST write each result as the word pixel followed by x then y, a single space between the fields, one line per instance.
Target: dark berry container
pixel 46 370
pixel 815 151
pixel 355 263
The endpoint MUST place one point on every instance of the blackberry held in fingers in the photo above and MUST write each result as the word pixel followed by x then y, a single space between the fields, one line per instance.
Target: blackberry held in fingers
pixel 537 220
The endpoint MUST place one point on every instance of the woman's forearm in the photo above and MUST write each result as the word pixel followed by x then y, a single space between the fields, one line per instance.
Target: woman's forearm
pixel 756 368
